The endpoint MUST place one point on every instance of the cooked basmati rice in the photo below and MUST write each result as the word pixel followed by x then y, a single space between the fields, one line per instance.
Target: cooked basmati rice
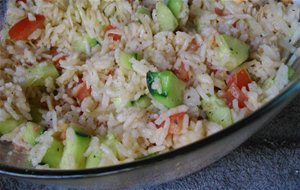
pixel 270 28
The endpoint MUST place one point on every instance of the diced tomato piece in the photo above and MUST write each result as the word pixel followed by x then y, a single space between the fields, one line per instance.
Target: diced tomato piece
pixel 83 92
pixel 109 27
pixel 57 63
pixel 235 23
pixel 111 71
pixel 220 12
pixel 115 37
pixel 53 52
pixel 157 126
pixel 182 73
pixel 212 70
pixel 160 126
pixel 193 46
pixel 233 92
pixel 25 27
pixel 176 123
pixel 240 78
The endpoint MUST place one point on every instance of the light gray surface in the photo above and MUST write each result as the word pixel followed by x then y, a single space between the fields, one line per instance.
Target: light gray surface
pixel 269 160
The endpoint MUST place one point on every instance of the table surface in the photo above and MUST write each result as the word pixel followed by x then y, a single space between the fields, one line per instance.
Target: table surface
pixel 268 160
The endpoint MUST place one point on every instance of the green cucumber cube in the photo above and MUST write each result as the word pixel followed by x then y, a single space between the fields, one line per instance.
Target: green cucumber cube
pixel 31 132
pixel 75 147
pixel 166 20
pixel 36 75
pixel 54 154
pixel 217 111
pixel 9 125
pixel 232 51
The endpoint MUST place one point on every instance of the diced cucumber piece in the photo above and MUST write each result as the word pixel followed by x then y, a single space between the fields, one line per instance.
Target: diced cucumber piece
pixel 85 44
pixel 75 147
pixel 143 102
pixel 199 25
pixel 120 104
pixel 9 125
pixel 268 83
pixel 94 159
pixel 54 154
pixel 31 132
pixel 96 155
pixel 172 88
pixel 36 75
pixel 217 111
pixel 176 7
pixel 166 20
pixel 143 10
pixel 124 60
pixel 232 51
pixel 291 72
pixel 111 142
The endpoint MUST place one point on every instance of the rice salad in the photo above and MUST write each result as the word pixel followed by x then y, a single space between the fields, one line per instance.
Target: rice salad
pixel 92 83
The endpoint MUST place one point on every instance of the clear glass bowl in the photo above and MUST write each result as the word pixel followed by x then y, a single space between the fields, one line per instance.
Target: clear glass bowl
pixel 158 169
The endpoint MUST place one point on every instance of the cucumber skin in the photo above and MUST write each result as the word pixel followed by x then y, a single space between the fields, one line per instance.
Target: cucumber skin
pixel 54 154
pixel 176 7
pixel 35 113
pixel 75 147
pixel 172 88
pixel 291 73
pixel 143 102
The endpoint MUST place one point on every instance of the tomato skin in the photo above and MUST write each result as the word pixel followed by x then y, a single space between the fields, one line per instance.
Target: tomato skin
pixel 235 24
pixel 233 92
pixel 176 123
pixel 240 78
pixel 115 37
pixel 220 12
pixel 24 28
pixel 157 126
pixel 182 73
pixel 83 92
pixel 109 27
pixel 24 1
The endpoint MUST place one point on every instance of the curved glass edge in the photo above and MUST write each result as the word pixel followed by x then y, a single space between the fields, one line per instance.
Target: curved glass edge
pixel 291 90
